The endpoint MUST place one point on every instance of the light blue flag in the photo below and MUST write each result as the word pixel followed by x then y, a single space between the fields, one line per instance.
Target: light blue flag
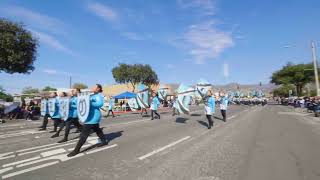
pixel 202 88
pixel 163 92
pixel 143 96
pixel 184 98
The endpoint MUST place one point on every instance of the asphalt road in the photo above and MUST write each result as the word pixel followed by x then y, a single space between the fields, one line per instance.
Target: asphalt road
pixel 256 143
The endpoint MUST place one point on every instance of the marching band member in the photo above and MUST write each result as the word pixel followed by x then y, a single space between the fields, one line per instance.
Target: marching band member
pixel 93 120
pixel 56 116
pixel 209 108
pixel 174 104
pixel 43 127
pixel 62 123
pixel 73 115
pixel 155 103
pixel 111 104
pixel 223 106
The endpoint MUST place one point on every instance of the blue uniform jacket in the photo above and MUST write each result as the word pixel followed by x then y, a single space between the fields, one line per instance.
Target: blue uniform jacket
pixel 56 114
pixel 73 113
pixel 96 102
pixel 224 103
pixel 211 104
pixel 155 103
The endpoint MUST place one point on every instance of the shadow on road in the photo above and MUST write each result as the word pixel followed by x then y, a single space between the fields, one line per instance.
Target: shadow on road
pixel 196 115
pixel 203 123
pixel 181 120
pixel 216 117
pixel 109 137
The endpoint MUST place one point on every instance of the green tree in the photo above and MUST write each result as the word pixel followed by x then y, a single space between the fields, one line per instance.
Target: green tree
pixel 134 74
pixel 17 48
pixel 298 75
pixel 29 90
pixel 283 90
pixel 5 96
pixel 48 88
pixel 79 86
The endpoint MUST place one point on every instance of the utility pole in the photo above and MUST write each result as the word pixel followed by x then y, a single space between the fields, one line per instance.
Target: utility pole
pixel 315 66
pixel 70 82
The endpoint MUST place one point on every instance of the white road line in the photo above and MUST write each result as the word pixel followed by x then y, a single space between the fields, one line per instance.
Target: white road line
pixel 38 147
pixel 7 157
pixel 44 149
pixel 29 169
pixel 53 152
pixel 163 148
pixel 5 170
pixel 22 161
pixel 84 146
pixel 101 149
pixel 20 134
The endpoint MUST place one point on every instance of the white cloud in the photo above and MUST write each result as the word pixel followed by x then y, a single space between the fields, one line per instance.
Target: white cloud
pixel 132 36
pixel 50 71
pixel 206 7
pixel 103 11
pixel 35 19
pixel 206 42
pixel 52 42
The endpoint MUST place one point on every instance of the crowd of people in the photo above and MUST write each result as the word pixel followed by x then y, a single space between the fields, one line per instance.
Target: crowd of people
pixel 311 104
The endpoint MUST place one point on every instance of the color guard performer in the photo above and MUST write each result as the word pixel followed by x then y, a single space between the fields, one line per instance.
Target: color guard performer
pixel 93 120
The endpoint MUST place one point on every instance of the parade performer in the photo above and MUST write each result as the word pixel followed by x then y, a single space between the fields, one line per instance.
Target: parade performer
pixel 175 110
pixel 155 103
pixel 43 127
pixel 93 120
pixel 56 115
pixel 209 108
pixel 62 123
pixel 73 115
pixel 111 104
pixel 223 106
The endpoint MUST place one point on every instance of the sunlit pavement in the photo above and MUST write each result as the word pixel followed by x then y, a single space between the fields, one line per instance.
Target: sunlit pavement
pixel 256 143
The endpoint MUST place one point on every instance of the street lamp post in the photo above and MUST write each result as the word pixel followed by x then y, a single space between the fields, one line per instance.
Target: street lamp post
pixel 315 64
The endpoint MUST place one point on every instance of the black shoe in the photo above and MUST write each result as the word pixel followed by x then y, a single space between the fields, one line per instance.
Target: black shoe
pixel 159 117
pixel 209 127
pixel 42 129
pixel 62 141
pixel 151 118
pixel 73 153
pixel 55 135
pixel 102 144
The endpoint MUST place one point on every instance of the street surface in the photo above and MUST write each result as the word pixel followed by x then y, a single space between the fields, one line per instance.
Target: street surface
pixel 256 143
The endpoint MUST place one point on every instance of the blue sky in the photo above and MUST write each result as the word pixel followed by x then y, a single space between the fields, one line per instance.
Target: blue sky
pixel 222 41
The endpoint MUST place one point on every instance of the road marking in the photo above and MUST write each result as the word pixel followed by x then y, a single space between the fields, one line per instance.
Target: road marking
pixel 39 150
pixel 163 148
pixel 29 169
pixel 53 152
pixel 22 161
pixel 84 146
pixel 101 149
pixel 5 170
pixel 7 157
pixel 20 134
pixel 38 147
